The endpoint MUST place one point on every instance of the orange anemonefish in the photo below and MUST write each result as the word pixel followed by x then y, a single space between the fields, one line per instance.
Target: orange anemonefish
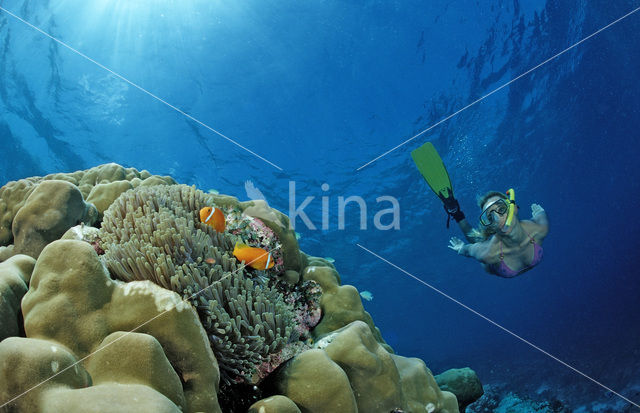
pixel 213 217
pixel 257 258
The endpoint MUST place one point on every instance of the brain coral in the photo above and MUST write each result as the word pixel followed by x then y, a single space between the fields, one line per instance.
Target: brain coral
pixel 153 233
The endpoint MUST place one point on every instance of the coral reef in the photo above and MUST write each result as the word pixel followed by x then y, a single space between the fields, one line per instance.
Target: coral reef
pixel 72 302
pixel 14 280
pixel 315 383
pixel 49 211
pixel 497 401
pixel 152 312
pixel 341 304
pixel 44 376
pixel 352 372
pixel 514 403
pixel 274 404
pixel 464 383
pixel 99 186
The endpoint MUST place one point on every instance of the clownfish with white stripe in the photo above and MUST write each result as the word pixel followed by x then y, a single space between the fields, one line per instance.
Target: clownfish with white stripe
pixel 213 217
pixel 257 258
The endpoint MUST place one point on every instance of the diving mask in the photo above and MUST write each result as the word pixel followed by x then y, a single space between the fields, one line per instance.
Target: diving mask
pixel 502 206
pixel 498 207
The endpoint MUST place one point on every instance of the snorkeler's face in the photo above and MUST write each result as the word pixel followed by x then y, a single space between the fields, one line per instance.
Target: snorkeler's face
pixel 494 212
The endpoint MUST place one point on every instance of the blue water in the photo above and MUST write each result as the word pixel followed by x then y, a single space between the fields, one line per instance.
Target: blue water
pixel 320 88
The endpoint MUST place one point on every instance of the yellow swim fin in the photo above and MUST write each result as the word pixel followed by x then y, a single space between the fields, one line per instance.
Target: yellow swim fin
pixel 433 171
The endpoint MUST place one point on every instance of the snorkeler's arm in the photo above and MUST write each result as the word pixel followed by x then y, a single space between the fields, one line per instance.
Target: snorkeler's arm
pixel 452 207
pixel 474 250
pixel 468 231
pixel 539 216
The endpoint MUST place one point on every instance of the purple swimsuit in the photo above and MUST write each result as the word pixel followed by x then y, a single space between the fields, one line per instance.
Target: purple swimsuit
pixel 502 270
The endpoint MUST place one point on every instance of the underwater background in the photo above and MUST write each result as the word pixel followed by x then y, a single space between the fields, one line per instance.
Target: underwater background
pixel 318 89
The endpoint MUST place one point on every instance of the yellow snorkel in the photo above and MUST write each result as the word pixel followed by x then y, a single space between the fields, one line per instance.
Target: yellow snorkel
pixel 512 206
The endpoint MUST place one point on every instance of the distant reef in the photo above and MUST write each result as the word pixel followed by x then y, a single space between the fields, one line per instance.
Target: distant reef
pixel 114 297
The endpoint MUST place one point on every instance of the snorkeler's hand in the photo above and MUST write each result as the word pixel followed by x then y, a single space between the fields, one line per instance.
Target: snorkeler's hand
pixel 456 244
pixel 536 210
pixel 452 207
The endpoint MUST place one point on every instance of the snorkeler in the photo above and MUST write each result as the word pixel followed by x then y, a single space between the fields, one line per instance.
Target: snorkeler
pixel 506 246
